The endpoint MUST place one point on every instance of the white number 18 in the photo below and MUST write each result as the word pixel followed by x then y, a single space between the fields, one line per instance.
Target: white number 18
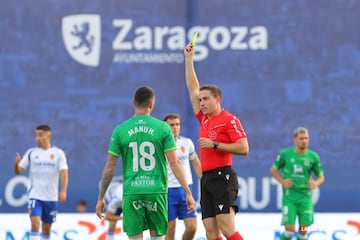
pixel 143 156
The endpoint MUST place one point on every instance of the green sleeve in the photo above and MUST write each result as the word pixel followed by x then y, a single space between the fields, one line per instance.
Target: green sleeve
pixel 114 144
pixel 317 168
pixel 280 160
pixel 169 140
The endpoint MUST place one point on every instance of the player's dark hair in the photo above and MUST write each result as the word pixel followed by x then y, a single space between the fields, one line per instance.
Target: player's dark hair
pixel 143 97
pixel 82 202
pixel 214 90
pixel 45 128
pixel 172 116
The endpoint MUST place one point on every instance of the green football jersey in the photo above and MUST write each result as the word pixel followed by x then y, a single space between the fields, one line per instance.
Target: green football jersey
pixel 298 168
pixel 142 142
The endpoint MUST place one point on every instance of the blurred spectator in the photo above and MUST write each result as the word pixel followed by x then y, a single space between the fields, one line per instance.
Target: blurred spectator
pixel 81 206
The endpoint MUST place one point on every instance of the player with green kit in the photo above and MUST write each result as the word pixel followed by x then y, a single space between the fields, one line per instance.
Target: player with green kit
pixel 143 141
pixel 297 165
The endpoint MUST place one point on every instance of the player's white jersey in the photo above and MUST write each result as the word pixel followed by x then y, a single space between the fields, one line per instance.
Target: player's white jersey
pixel 185 151
pixel 113 197
pixel 44 168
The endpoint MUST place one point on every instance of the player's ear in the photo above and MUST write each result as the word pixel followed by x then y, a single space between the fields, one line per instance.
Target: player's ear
pixel 218 99
pixel 152 104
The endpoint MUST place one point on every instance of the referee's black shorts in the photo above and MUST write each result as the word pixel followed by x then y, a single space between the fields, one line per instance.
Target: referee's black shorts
pixel 219 190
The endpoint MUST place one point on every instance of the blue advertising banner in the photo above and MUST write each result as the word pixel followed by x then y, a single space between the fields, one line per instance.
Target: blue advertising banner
pixel 280 64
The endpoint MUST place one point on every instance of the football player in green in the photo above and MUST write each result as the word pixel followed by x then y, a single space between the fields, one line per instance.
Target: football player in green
pixel 143 142
pixel 298 165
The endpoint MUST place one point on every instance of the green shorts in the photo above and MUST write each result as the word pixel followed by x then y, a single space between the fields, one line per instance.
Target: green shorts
pixel 302 207
pixel 145 211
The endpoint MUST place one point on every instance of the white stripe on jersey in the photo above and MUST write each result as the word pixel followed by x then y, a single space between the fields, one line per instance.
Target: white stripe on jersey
pixel 44 168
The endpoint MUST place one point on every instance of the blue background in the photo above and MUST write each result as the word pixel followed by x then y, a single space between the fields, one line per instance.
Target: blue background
pixel 308 75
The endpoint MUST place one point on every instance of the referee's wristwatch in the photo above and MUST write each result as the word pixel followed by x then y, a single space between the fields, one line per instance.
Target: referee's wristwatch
pixel 215 145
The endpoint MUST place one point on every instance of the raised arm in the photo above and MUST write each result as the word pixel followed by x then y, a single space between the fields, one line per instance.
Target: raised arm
pixel 192 83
